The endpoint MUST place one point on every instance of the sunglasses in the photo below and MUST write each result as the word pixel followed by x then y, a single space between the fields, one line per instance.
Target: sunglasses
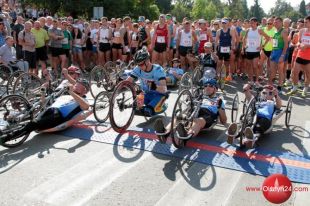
pixel 215 24
pixel 269 23
pixel 223 23
pixel 269 93
pixel 141 64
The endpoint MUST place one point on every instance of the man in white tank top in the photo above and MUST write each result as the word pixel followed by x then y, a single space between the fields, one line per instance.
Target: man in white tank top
pixel 252 45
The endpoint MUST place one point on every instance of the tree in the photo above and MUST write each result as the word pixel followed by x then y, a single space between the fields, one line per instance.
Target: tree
pixel 285 10
pixel 198 10
pixel 180 11
pixel 245 9
pixel 257 11
pixel 302 8
pixel 164 5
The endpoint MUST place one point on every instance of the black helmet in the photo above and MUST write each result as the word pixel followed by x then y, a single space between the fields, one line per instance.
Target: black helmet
pixel 141 56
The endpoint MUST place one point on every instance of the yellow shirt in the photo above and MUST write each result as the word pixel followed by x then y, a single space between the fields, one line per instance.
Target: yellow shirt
pixel 40 36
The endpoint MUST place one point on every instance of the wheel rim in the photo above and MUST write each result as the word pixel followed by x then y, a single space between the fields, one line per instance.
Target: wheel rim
pixel 27 85
pixel 101 107
pixel 234 109
pixel 182 109
pixel 122 106
pixel 186 82
pixel 97 80
pixel 13 110
pixel 12 80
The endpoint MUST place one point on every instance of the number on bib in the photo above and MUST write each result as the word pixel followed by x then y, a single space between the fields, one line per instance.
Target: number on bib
pixel 225 49
pixel 275 43
pixel 161 39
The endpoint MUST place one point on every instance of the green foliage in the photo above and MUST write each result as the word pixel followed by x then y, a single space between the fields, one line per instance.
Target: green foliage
pixel 302 8
pixel 164 5
pixel 180 11
pixel 245 9
pixel 285 10
pixel 235 9
pixel 257 11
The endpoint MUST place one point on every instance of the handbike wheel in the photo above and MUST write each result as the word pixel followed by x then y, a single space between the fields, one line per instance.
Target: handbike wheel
pixel 97 80
pixel 101 107
pixel 197 75
pixel 14 115
pixel 183 109
pixel 11 81
pixel 186 82
pixel 122 106
pixel 234 109
pixel 249 115
pixel 27 85
pixel 288 112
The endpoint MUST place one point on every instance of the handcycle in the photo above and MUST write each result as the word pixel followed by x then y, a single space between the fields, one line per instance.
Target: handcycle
pixel 123 105
pixel 108 76
pixel 185 110
pixel 248 116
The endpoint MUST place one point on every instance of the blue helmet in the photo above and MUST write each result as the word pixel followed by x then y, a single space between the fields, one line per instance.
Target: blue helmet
pixel 211 82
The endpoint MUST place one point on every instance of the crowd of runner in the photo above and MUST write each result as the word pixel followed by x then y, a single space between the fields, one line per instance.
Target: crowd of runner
pixel 251 49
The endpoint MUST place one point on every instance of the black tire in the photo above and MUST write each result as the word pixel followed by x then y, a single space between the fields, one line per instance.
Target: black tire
pixel 235 109
pixel 102 103
pixel 186 82
pixel 97 80
pixel 288 112
pixel 14 105
pixel 249 115
pixel 185 99
pixel 121 105
pixel 11 81
pixel 28 85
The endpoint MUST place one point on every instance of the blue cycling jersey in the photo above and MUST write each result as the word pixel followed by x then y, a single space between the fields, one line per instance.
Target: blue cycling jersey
pixel 149 80
pixel 66 104
pixel 211 104
pixel 179 71
pixel 266 109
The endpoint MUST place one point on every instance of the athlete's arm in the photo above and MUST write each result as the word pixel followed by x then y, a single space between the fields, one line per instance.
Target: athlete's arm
pixel 80 100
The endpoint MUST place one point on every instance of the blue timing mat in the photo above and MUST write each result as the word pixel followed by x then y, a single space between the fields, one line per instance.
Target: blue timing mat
pixel 256 161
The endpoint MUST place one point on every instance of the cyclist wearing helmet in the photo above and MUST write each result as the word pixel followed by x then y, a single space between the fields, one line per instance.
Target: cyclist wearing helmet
pixel 265 111
pixel 174 73
pixel 63 113
pixel 152 78
pixel 211 108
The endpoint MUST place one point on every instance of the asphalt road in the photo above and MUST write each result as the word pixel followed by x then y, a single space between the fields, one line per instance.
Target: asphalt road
pixel 58 170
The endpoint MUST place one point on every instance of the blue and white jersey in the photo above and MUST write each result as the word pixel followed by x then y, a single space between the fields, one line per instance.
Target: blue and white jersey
pixel 266 109
pixel 211 104
pixel 149 80
pixel 179 71
pixel 66 105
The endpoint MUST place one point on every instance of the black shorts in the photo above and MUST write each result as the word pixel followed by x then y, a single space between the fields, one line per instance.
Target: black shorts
pixel 160 47
pixel 30 57
pixel 104 47
pixel 261 125
pixel 225 56
pixel 252 55
pixel 133 50
pixel 56 51
pixel 183 51
pixel 117 46
pixel 41 53
pixel 207 116
pixel 66 52
pixel 267 53
pixel 302 61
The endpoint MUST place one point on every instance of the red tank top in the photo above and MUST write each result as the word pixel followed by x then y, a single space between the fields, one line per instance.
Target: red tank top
pixel 162 35
pixel 305 39
pixel 203 38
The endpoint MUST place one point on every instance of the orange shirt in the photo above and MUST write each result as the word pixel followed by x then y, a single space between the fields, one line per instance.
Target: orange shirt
pixel 304 39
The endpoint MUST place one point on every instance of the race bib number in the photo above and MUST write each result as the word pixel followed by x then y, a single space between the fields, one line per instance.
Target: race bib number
pixel 161 39
pixel 225 49
pixel 77 41
pixel 103 39
pixel 134 37
pixel 203 37
pixel 117 34
pixel 275 43
pixel 252 43
pixel 65 41
pixel 305 40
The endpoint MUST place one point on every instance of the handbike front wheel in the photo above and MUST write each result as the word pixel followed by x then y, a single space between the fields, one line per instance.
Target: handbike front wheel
pixel 183 108
pixel 186 82
pixel 288 112
pixel 14 115
pixel 234 109
pixel 102 106
pixel 11 81
pixel 122 106
pixel 248 118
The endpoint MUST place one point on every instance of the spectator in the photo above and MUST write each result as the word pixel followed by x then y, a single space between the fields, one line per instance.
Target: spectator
pixel 16 29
